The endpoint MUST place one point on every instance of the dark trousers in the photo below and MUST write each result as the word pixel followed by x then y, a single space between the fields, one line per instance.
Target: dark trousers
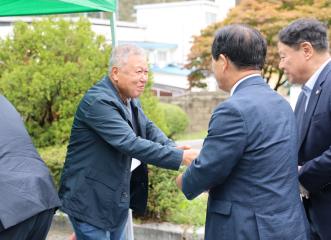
pixel 313 233
pixel 33 228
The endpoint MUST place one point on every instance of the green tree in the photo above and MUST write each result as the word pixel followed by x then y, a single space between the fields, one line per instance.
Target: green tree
pixel 269 16
pixel 45 69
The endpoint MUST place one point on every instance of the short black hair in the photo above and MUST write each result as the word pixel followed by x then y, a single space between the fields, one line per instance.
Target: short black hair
pixel 243 45
pixel 305 30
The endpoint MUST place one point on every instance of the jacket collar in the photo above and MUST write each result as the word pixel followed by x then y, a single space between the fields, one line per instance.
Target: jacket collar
pixel 114 92
pixel 314 96
pixel 254 80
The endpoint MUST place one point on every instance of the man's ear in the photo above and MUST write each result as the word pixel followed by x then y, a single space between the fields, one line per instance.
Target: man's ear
pixel 224 61
pixel 114 74
pixel 307 49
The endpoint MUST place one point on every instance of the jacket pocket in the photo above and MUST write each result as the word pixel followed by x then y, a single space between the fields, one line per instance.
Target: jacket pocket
pixel 104 178
pixel 320 116
pixel 221 207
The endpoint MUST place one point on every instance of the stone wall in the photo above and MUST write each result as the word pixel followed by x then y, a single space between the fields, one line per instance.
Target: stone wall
pixel 198 106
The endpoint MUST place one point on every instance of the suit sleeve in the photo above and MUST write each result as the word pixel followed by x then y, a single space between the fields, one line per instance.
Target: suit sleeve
pixel 105 119
pixel 154 134
pixel 318 169
pixel 221 152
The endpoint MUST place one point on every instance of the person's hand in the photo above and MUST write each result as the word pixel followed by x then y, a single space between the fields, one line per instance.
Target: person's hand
pixel 73 237
pixel 303 192
pixel 189 156
pixel 179 181
pixel 184 147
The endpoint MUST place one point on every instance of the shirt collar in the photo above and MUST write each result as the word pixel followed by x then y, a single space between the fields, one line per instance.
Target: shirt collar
pixel 241 80
pixel 309 85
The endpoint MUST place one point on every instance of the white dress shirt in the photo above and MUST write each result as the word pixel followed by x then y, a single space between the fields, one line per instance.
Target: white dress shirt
pixel 241 80
pixel 309 85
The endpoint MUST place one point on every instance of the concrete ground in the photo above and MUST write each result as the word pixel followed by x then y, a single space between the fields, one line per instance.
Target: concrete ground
pixel 58 235
pixel 60 229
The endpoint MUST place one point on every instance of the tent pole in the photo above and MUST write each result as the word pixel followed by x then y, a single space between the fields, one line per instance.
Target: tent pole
pixel 112 28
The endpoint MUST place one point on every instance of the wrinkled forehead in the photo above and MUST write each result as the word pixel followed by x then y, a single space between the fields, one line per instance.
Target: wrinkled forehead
pixel 136 61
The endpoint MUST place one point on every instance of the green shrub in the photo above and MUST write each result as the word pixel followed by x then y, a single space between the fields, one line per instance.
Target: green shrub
pixel 176 119
pixel 54 159
pixel 163 193
pixel 167 203
pixel 189 212
pixel 46 68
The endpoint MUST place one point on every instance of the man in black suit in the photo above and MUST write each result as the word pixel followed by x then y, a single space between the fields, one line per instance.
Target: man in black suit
pixel 28 198
pixel 304 56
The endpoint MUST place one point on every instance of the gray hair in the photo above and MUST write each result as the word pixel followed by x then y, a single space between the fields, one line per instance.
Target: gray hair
pixel 121 53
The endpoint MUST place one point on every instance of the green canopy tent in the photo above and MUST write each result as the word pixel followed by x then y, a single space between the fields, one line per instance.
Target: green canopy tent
pixel 46 7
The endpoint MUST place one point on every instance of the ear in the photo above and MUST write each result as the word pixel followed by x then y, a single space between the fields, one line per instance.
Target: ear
pixel 307 49
pixel 224 60
pixel 114 74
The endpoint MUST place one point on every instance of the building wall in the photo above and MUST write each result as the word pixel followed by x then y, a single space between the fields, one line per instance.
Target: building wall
pixel 178 22
pixel 198 106
pixel 171 80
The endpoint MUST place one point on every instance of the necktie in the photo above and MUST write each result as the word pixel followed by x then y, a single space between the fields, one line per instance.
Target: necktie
pixel 300 109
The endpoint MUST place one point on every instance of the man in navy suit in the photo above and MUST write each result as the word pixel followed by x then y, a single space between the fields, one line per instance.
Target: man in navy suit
pixel 304 57
pixel 248 161
pixel 28 197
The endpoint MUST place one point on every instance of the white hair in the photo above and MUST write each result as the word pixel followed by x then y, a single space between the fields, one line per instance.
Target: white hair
pixel 121 53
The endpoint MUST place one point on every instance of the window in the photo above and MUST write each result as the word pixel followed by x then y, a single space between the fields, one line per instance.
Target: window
pixel 162 56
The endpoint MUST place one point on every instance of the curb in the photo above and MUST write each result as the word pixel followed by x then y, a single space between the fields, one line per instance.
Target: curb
pixel 146 231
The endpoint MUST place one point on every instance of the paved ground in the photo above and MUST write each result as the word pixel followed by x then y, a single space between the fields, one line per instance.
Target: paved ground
pixel 59 232
pixel 58 235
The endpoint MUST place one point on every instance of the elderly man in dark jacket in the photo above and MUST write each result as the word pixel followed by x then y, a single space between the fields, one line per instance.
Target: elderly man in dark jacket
pixel 28 197
pixel 110 129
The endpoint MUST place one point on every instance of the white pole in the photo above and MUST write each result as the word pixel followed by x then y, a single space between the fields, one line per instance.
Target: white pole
pixel 113 29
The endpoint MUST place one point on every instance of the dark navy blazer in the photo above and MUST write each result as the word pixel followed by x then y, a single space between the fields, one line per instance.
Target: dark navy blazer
pixel 315 153
pixel 248 163
pixel 95 183
pixel 26 186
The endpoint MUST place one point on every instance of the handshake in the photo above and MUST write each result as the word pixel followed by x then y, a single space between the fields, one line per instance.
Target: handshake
pixel 189 154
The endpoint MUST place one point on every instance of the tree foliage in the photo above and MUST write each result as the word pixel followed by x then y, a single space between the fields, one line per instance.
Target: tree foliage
pixel 268 16
pixel 46 68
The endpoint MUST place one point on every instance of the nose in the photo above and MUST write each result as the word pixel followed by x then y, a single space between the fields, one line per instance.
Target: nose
pixel 144 77
pixel 280 65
